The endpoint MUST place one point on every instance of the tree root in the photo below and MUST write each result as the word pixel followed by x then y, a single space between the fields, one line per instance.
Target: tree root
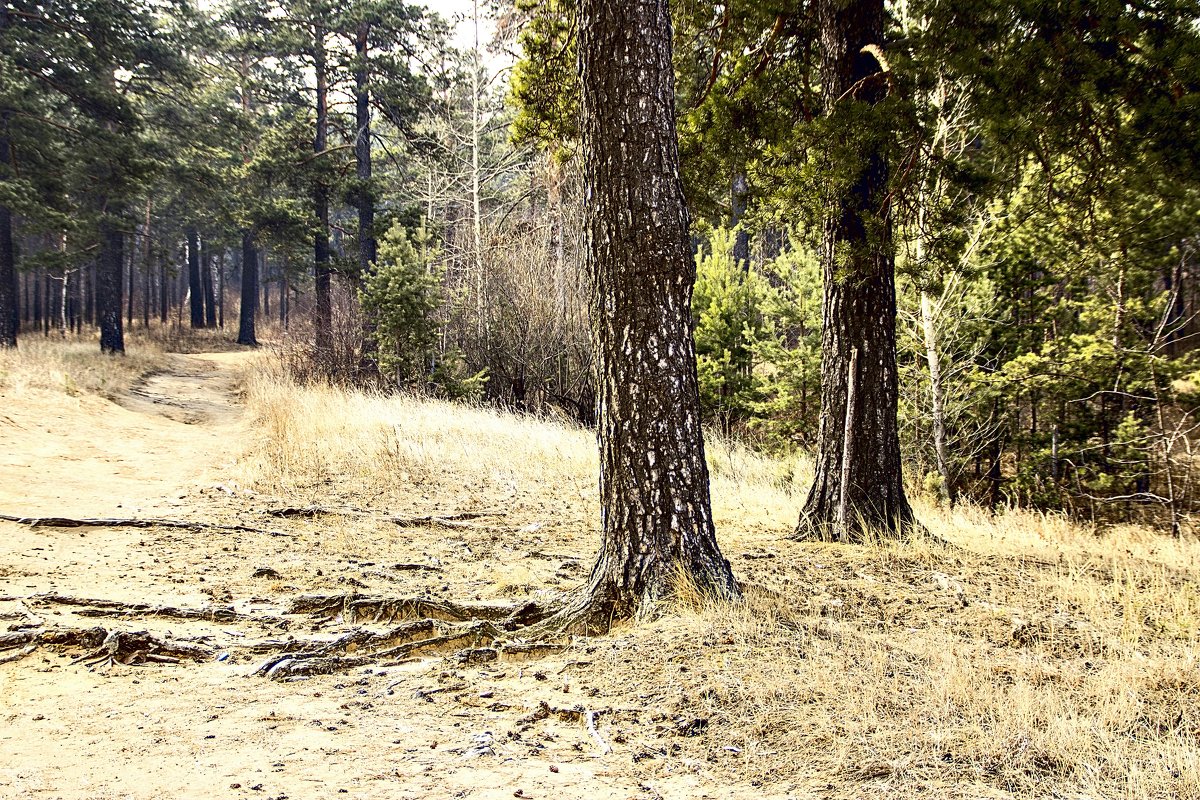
pixel 451 519
pixel 356 608
pixel 112 608
pixel 121 647
pixel 105 647
pixel 387 649
pixel 133 522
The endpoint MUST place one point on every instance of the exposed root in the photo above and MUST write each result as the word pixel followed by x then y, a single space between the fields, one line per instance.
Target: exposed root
pixel 18 655
pixel 121 647
pixel 105 647
pixel 446 520
pixel 387 648
pixel 132 522
pixel 356 608
pixel 286 667
pixel 115 608
pixel 450 519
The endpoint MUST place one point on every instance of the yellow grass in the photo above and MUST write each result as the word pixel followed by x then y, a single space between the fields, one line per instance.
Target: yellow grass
pixel 73 366
pixel 1031 658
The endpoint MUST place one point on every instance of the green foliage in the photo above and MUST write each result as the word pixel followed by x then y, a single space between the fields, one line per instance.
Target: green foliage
pixel 725 305
pixel 544 85
pixel 758 341
pixel 401 296
pixel 787 351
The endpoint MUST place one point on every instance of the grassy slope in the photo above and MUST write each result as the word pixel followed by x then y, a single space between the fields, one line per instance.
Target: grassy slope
pixel 1034 658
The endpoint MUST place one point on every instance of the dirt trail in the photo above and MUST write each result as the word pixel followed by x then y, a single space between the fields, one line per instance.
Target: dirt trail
pixel 429 726
pixel 87 456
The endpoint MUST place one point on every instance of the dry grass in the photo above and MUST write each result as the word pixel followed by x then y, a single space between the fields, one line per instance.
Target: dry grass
pixel 1031 658
pixel 74 366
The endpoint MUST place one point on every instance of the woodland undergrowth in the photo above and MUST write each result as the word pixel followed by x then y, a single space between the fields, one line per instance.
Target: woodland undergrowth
pixel 1029 656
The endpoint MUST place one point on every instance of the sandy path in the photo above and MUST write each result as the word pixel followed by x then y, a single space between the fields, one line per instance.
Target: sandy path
pixel 87 456
pixel 210 729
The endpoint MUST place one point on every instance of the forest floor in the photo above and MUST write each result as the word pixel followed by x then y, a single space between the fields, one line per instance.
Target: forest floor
pixel 298 525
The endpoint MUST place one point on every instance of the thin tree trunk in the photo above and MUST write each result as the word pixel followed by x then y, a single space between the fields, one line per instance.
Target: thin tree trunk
pixel 36 278
pixel 860 295
pixel 9 310
pixel 322 307
pixel 132 284
pixel 249 304
pixel 934 361
pixel 656 520
pixel 89 297
pixel 206 282
pixel 366 192
pixel 741 242
pixel 195 293
pixel 164 292
pixel 109 281
pixel 221 291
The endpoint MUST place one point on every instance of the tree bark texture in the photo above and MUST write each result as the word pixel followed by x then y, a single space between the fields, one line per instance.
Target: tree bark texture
pixel 249 305
pixel 110 279
pixel 195 292
pixel 859 325
pixel 656 517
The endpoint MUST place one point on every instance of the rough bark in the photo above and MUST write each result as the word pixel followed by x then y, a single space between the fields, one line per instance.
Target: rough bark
pixel 859 309
pixel 110 281
pixel 656 519
pixel 249 305
pixel 322 307
pixel 195 292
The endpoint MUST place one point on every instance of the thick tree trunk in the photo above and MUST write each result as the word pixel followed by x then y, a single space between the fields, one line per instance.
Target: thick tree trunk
pixel 656 519
pixel 858 486
pixel 9 311
pixel 195 293
pixel 109 282
pixel 249 291
pixel 322 306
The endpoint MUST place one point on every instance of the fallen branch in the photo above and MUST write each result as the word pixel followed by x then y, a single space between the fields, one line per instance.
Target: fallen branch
pixel 132 522
pixel 591 726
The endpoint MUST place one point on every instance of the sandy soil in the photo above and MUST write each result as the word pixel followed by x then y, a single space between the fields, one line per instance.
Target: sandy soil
pixel 425 727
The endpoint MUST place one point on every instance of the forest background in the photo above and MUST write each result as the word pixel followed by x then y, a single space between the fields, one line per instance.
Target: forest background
pixel 406 199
